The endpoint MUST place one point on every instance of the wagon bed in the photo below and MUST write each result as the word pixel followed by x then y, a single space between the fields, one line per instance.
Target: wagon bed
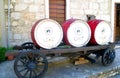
pixel 62 49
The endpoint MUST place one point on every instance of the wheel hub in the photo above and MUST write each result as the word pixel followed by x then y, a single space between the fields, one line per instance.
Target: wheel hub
pixel 32 65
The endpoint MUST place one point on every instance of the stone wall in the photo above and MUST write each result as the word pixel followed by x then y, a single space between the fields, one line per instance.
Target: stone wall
pixel 100 8
pixel 24 13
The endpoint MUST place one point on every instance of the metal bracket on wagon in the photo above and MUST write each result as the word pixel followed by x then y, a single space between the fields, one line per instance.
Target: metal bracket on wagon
pixel 111 45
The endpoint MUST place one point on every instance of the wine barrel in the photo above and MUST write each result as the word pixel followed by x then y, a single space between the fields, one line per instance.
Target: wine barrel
pixel 101 32
pixel 77 33
pixel 47 33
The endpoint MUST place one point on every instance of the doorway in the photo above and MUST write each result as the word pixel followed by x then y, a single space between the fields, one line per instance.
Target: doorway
pixel 57 10
pixel 117 22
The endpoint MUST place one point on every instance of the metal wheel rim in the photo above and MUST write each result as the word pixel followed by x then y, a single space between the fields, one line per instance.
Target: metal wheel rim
pixel 28 45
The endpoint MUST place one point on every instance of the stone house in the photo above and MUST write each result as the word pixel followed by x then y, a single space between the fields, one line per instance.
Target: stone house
pixel 18 16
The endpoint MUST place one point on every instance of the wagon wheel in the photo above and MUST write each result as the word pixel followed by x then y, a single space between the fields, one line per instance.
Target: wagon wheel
pixel 108 57
pixel 30 65
pixel 28 45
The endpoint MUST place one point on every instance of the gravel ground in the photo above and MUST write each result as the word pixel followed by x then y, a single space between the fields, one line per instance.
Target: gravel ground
pixel 67 70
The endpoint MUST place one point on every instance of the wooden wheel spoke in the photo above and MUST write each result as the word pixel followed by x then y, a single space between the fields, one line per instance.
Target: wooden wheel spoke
pixel 34 72
pixel 33 57
pixel 22 61
pixel 27 58
pixel 38 57
pixel 20 65
pixel 40 68
pixel 112 55
pixel 106 57
pixel 26 73
pixel 23 70
pixel 30 74
pixel 41 61
pixel 109 61
pixel 105 60
pixel 109 58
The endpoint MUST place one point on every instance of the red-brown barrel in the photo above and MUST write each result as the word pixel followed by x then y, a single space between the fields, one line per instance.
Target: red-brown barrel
pixel 77 33
pixel 47 33
pixel 100 32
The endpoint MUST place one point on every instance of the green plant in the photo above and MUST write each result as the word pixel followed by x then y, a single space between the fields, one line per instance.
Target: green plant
pixel 10 48
pixel 2 53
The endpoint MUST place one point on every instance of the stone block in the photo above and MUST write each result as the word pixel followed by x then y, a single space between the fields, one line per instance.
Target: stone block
pixel 25 36
pixel 15 23
pixel 92 0
pixel 6 6
pixel 21 22
pixel 28 16
pixel 100 1
pixel 75 16
pixel 28 1
pixel 13 1
pixel 34 8
pixel 93 5
pixel 101 12
pixel 84 5
pixel 77 11
pixel 104 6
pixel 83 17
pixel 16 42
pixel 78 16
pixel 10 35
pixel 98 16
pixel 91 11
pixel 39 2
pixel 105 17
pixel 20 7
pixel 78 1
pixel 39 16
pixel 74 5
pixel 79 4
pixel 16 15
pixel 104 12
pixel 42 8
pixel 17 36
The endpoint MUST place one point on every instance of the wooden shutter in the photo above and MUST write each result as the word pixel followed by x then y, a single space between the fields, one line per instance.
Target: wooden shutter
pixel 57 10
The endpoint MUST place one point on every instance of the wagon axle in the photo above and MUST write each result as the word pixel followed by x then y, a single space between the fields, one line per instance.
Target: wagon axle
pixel 31 65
